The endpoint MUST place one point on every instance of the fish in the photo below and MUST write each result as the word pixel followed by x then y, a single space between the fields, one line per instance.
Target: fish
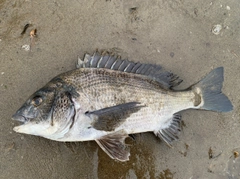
pixel 106 99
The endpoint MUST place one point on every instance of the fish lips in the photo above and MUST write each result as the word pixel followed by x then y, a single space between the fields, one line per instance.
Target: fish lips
pixel 20 118
pixel 25 114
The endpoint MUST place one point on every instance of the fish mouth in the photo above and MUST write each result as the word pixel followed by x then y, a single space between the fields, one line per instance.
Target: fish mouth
pixel 20 118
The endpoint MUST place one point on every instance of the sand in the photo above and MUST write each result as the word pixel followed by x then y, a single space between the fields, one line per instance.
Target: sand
pixel 189 38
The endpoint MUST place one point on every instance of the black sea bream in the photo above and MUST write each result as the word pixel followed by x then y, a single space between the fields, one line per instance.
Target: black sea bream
pixel 105 99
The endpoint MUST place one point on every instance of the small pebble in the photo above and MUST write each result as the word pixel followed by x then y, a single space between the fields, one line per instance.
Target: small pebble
pixel 216 29
pixel 26 47
pixel 227 7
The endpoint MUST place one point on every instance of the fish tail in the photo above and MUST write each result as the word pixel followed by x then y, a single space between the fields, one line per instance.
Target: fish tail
pixel 208 93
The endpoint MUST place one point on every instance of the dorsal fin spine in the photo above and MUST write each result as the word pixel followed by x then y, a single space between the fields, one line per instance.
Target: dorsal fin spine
pixel 99 61
pixel 119 68
pixel 125 69
pixel 107 62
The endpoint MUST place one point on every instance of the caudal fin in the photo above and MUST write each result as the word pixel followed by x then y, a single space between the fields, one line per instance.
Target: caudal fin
pixel 209 88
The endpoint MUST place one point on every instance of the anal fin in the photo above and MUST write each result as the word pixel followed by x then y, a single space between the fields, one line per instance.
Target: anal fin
pixel 114 145
pixel 170 134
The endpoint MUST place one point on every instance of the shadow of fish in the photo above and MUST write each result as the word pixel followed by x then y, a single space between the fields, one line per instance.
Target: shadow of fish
pixel 105 99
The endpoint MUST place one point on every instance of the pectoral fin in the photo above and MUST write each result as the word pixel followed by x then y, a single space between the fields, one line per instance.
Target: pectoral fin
pixel 114 145
pixel 108 119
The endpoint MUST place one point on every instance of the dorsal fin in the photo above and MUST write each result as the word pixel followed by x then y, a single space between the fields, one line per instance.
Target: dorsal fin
pixel 113 62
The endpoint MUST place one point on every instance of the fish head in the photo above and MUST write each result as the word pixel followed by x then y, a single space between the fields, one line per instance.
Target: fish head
pixel 48 113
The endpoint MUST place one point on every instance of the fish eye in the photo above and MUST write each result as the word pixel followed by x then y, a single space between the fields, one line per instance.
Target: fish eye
pixel 37 100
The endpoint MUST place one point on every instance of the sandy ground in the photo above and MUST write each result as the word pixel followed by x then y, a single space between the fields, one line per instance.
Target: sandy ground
pixel 176 34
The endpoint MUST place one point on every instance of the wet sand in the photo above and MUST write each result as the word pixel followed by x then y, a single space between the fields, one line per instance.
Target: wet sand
pixel 179 35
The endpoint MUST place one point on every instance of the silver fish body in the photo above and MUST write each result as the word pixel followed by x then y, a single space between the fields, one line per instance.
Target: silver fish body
pixel 107 98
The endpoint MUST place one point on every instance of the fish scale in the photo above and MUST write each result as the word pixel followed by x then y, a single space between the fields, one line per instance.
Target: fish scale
pixel 102 88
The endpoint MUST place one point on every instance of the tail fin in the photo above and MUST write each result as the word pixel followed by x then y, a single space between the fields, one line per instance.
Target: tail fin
pixel 209 88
